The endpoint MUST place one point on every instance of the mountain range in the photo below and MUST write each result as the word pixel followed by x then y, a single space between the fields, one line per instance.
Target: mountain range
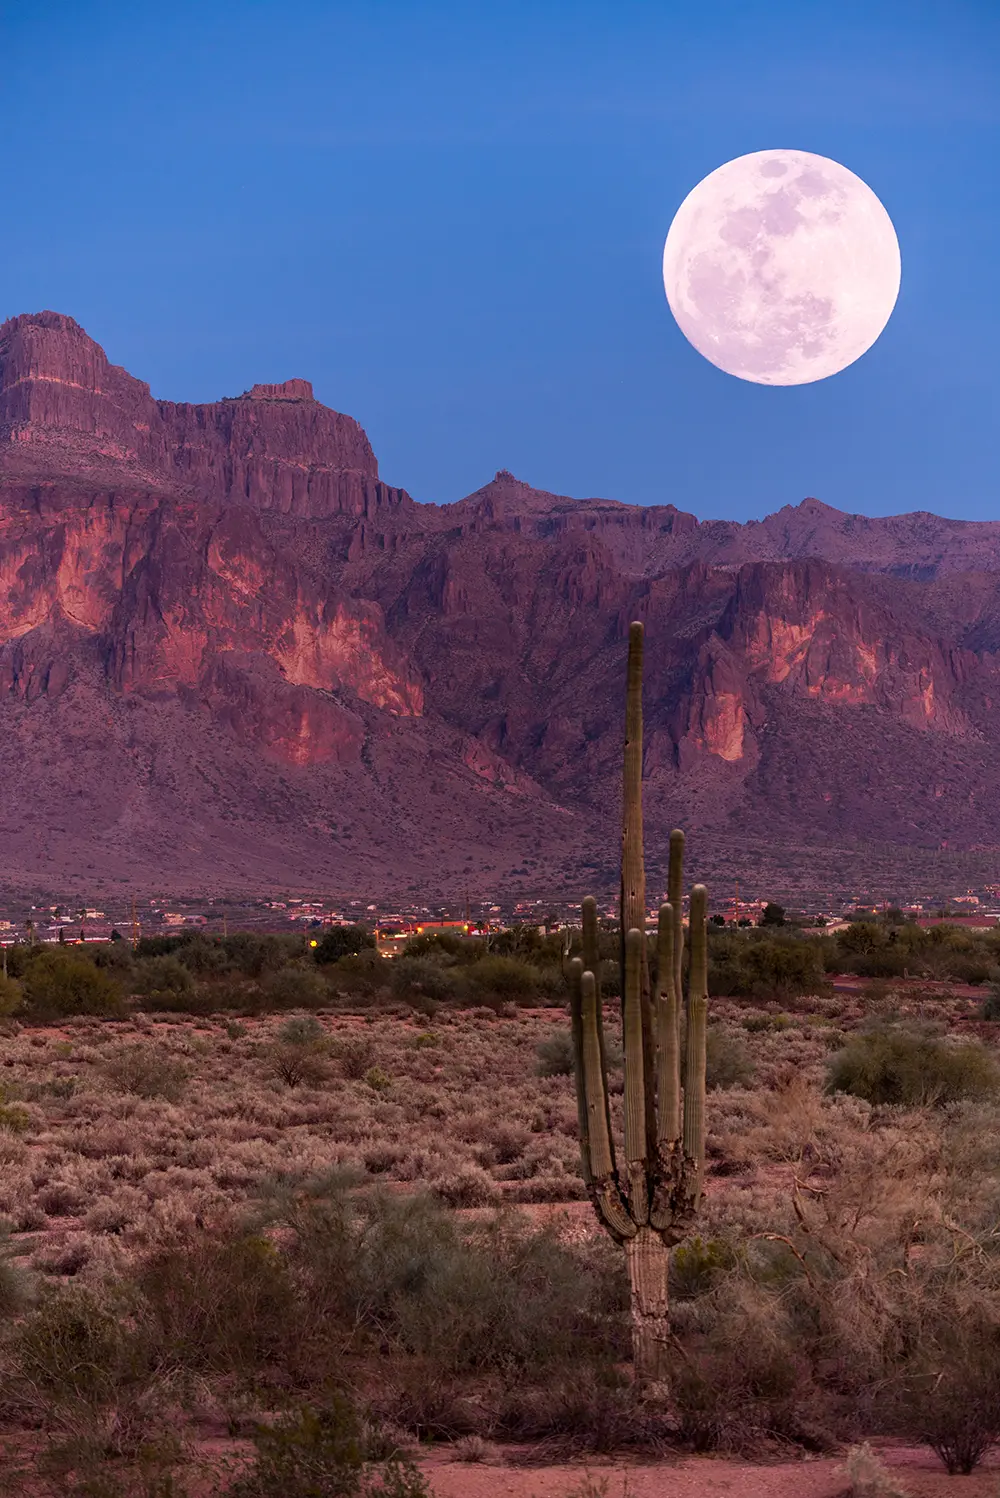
pixel 233 660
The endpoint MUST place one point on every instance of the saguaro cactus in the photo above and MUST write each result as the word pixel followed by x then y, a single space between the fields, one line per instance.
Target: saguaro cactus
pixel 650 1204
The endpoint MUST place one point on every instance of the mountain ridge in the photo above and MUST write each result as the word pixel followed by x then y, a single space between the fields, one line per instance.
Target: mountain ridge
pixel 232 657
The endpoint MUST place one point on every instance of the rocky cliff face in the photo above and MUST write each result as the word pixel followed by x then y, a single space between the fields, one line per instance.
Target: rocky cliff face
pixel 64 409
pixel 231 657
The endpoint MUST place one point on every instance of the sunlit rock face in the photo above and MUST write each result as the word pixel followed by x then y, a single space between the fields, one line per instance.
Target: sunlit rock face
pixel 229 654
pixel 65 408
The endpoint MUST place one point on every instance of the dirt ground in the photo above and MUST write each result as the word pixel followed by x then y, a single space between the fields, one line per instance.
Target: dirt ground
pixel 917 1472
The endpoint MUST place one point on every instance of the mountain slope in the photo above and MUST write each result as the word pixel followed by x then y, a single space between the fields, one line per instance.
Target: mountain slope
pixel 232 659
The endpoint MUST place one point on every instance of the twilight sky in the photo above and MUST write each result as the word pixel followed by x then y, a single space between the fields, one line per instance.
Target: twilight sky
pixel 450 217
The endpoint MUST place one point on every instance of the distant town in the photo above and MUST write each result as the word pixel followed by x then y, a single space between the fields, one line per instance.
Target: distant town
pixel 393 925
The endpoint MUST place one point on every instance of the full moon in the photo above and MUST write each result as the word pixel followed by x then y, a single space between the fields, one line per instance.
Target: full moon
pixel 781 267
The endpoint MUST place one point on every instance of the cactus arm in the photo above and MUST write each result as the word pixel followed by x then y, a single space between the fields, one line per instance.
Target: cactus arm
pixel 633 881
pixel 592 964
pixel 635 1081
pixel 633 892
pixel 604 1187
pixel 675 895
pixel 668 1080
pixel 695 1059
pixel 591 950
pixel 576 1024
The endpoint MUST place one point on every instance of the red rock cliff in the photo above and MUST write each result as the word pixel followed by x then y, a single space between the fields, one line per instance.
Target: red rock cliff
pixel 64 408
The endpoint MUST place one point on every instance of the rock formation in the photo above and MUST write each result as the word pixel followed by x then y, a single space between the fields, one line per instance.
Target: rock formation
pixel 232 657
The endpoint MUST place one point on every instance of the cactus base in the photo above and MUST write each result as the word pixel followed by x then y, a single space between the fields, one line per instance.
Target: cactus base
pixel 648 1259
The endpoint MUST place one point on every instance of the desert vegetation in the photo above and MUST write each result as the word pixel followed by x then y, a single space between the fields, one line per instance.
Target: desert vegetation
pixel 279 1219
pixel 221 1239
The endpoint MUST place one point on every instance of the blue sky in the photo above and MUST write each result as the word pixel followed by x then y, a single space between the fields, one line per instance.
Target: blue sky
pixel 450 217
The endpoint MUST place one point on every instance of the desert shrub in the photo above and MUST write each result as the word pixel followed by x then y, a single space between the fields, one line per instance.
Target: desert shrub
pixel 505 978
pixel 861 936
pixel 201 955
pixel 294 986
pixel 555 1055
pixel 468 1185
pixel 355 1054
pixel 952 1394
pixel 611 978
pixel 764 967
pixel 342 941
pixel 299 1055
pixel 11 996
pixel 991 1004
pixel 500 1297
pixel 868 1476
pixel 201 1000
pixel 13 1288
pixel 695 1266
pixel 315 1451
pixel 153 976
pixel 883 962
pixel 727 1060
pixel 443 943
pixel 590 1409
pixel 60 984
pixel 77 1350
pixel 473 1448
pixel 255 953
pixel 416 980
pixel 221 1303
pixel 378 1079
pixel 302 1029
pixel 360 976
pixel 14 1118
pixel 162 946
pixel 897 1066
pixel 147 1071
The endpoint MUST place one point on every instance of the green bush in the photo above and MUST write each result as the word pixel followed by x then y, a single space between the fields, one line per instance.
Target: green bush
pixel 950 1396
pixel 443 943
pixel 727 1060
pixel 154 976
pixel 355 1054
pixel 502 1297
pixel 147 1071
pixel 991 1004
pixel 555 1055
pixel 696 1265
pixel 294 986
pixel 765 967
pixel 60 984
pixel 299 1055
pixel 892 1065
pixel 202 956
pixel 11 997
pixel 302 1029
pixel 342 941
pixel 223 1304
pixel 505 978
pixel 79 1348
pixel 422 979
pixel 360 976
pixel 320 1453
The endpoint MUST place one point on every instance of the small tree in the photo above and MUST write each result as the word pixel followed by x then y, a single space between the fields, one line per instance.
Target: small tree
pixel 772 915
pixel 342 941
